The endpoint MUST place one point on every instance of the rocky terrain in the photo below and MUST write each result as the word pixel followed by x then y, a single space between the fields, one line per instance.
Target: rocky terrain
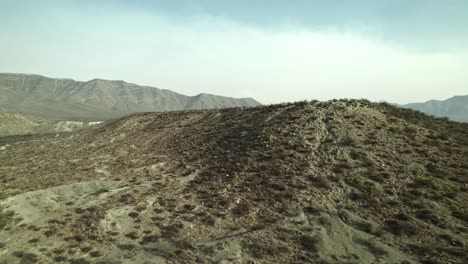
pixel 96 100
pixel 310 182
pixel 455 108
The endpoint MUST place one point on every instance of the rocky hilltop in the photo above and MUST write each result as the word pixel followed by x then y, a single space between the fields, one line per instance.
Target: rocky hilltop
pixel 96 100
pixel 310 182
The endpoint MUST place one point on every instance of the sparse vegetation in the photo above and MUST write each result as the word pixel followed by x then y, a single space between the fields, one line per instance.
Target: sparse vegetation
pixel 190 187
pixel 8 192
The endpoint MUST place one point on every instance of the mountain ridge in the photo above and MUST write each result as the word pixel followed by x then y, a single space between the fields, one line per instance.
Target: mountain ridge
pixel 454 108
pixel 98 99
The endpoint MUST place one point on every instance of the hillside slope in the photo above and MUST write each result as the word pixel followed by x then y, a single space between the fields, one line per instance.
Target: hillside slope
pixel 319 182
pixel 21 124
pixel 15 124
pixel 66 99
pixel 455 108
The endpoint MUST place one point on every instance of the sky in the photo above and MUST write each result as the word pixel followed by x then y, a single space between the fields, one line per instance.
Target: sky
pixel 274 51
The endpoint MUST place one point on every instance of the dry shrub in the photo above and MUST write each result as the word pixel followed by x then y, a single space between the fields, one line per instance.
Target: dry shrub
pixel 372 247
pixel 149 239
pixel 310 243
pixel 240 210
pixel 320 181
pixel 400 228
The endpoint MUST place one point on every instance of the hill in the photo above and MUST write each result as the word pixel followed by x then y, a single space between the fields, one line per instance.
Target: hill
pixel 16 124
pixel 96 100
pixel 455 108
pixel 21 124
pixel 318 182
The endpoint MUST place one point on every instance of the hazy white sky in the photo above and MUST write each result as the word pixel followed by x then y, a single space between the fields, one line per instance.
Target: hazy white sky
pixel 282 51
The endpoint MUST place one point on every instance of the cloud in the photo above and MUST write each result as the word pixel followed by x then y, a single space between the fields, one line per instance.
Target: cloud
pixel 419 25
pixel 224 52
pixel 425 25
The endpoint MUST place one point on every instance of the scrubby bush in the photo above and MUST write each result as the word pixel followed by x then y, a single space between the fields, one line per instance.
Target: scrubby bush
pixel 95 254
pixel 59 258
pixel 240 210
pixel 127 246
pixel 354 181
pixel 26 257
pixel 399 228
pixel 342 167
pixel 133 214
pixel 79 261
pixel 320 181
pixel 348 142
pixel 172 230
pixel 372 247
pixel 310 243
pixel 150 239
pixel 5 218
pixel 132 235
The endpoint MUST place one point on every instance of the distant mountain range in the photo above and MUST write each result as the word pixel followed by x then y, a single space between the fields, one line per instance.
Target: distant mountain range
pixel 455 108
pixel 96 100
pixel 67 99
